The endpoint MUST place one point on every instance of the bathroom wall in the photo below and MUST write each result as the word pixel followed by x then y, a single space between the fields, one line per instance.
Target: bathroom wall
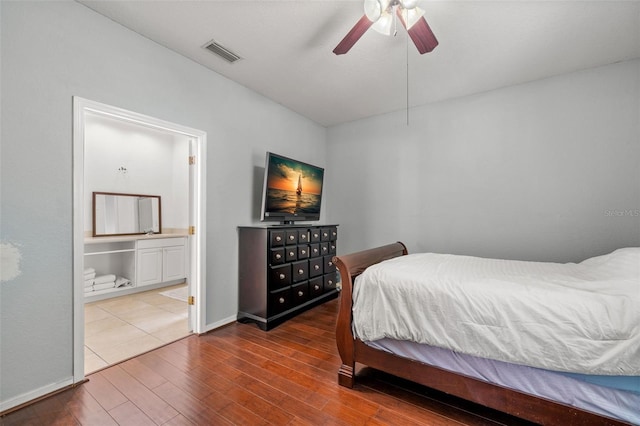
pixel 129 158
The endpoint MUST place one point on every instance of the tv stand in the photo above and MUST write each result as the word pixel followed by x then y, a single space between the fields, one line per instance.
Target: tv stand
pixel 284 270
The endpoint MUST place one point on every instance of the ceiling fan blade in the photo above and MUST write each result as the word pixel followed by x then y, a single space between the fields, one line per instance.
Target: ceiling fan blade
pixel 353 36
pixel 421 34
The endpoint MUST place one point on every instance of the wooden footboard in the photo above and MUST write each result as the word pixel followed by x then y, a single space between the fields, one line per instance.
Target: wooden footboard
pixel 352 350
pixel 350 266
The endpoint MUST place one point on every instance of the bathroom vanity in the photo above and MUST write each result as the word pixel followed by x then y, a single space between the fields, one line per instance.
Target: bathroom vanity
pixel 128 251
pixel 147 262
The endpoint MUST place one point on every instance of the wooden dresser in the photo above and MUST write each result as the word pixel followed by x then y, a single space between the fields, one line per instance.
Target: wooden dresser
pixel 284 270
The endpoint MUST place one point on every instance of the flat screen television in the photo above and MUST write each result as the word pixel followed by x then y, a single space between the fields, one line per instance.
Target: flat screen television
pixel 292 190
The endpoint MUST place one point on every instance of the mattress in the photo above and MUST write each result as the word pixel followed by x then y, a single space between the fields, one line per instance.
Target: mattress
pixel 574 390
pixel 572 317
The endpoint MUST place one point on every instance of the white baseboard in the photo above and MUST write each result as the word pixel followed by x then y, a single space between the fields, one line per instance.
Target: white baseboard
pixel 219 324
pixel 34 394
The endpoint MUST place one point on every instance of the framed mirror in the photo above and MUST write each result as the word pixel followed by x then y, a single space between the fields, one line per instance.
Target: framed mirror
pixel 126 214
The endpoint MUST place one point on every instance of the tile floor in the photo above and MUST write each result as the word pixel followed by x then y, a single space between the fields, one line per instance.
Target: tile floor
pixel 120 328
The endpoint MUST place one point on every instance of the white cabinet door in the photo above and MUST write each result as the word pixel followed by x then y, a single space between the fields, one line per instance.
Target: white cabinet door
pixel 173 263
pixel 149 266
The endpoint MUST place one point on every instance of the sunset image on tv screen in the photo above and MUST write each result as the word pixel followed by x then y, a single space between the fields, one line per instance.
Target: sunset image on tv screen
pixel 293 187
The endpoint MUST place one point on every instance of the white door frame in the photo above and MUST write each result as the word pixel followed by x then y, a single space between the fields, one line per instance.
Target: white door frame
pixel 197 257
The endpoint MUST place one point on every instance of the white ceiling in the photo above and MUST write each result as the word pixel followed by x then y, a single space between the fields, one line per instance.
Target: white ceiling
pixel 287 46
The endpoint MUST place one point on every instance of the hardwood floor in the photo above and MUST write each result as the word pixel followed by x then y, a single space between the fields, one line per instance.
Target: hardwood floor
pixel 242 375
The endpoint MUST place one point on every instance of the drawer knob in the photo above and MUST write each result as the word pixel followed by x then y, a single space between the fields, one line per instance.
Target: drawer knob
pixel 316 267
pixel 281 300
pixel 291 237
pixel 330 282
pixel 330 263
pixel 335 233
pixel 291 253
pixel 282 276
pixel 278 256
pixel 315 250
pixel 278 238
pixel 315 235
pixel 325 235
pixel 300 293
pixel 303 236
pixel 303 251
pixel 333 247
pixel 316 287
pixel 300 271
pixel 324 248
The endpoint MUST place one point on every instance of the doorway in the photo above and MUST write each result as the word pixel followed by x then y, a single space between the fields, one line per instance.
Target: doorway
pixel 191 201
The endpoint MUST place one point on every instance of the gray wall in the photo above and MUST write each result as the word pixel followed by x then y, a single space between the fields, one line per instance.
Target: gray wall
pixel 548 170
pixel 52 51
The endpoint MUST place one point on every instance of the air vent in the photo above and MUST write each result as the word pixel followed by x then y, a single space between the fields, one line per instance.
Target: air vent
pixel 221 51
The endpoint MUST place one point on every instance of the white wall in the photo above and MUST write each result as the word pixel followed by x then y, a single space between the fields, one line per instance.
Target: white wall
pixel 542 171
pixel 155 163
pixel 52 51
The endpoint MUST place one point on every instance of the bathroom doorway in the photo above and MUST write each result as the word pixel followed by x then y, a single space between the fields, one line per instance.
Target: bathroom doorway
pixel 122 152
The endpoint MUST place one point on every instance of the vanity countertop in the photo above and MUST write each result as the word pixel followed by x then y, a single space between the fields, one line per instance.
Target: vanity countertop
pixel 118 238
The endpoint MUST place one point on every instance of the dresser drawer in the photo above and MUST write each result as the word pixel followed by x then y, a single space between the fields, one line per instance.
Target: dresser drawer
pixel 324 249
pixel 291 253
pixel 314 250
pixel 303 236
pixel 280 276
pixel 300 271
pixel 330 281
pixel 316 266
pixel 291 237
pixel 332 248
pixel 276 238
pixel 316 287
pixel 277 256
pixel 303 251
pixel 279 301
pixel 328 264
pixel 325 234
pixel 300 293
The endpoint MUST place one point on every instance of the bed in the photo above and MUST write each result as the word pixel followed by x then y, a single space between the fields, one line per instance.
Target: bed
pixel 548 386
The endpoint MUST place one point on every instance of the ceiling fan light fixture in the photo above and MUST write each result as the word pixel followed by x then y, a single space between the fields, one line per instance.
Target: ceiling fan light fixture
pixel 409 4
pixel 373 9
pixel 382 15
pixel 384 23
pixel 411 16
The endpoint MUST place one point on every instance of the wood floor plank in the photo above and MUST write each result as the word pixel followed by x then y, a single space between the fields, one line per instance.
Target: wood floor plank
pixel 264 408
pixel 240 374
pixel 290 388
pixel 84 408
pixel 104 392
pixel 128 414
pixel 179 420
pixel 191 408
pixel 192 385
pixel 153 406
pixel 145 375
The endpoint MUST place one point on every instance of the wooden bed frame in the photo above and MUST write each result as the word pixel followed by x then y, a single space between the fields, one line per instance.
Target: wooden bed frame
pixel 536 409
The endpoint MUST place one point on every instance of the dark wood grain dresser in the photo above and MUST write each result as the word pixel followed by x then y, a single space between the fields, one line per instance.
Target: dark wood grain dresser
pixel 284 270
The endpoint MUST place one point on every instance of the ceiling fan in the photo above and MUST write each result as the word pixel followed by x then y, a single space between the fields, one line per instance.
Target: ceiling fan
pixel 382 15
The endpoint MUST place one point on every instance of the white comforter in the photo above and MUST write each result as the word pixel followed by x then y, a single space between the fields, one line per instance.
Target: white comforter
pixel 582 318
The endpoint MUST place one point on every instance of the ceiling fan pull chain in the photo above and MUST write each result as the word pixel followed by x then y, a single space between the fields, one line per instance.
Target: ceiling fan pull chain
pixel 395 21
